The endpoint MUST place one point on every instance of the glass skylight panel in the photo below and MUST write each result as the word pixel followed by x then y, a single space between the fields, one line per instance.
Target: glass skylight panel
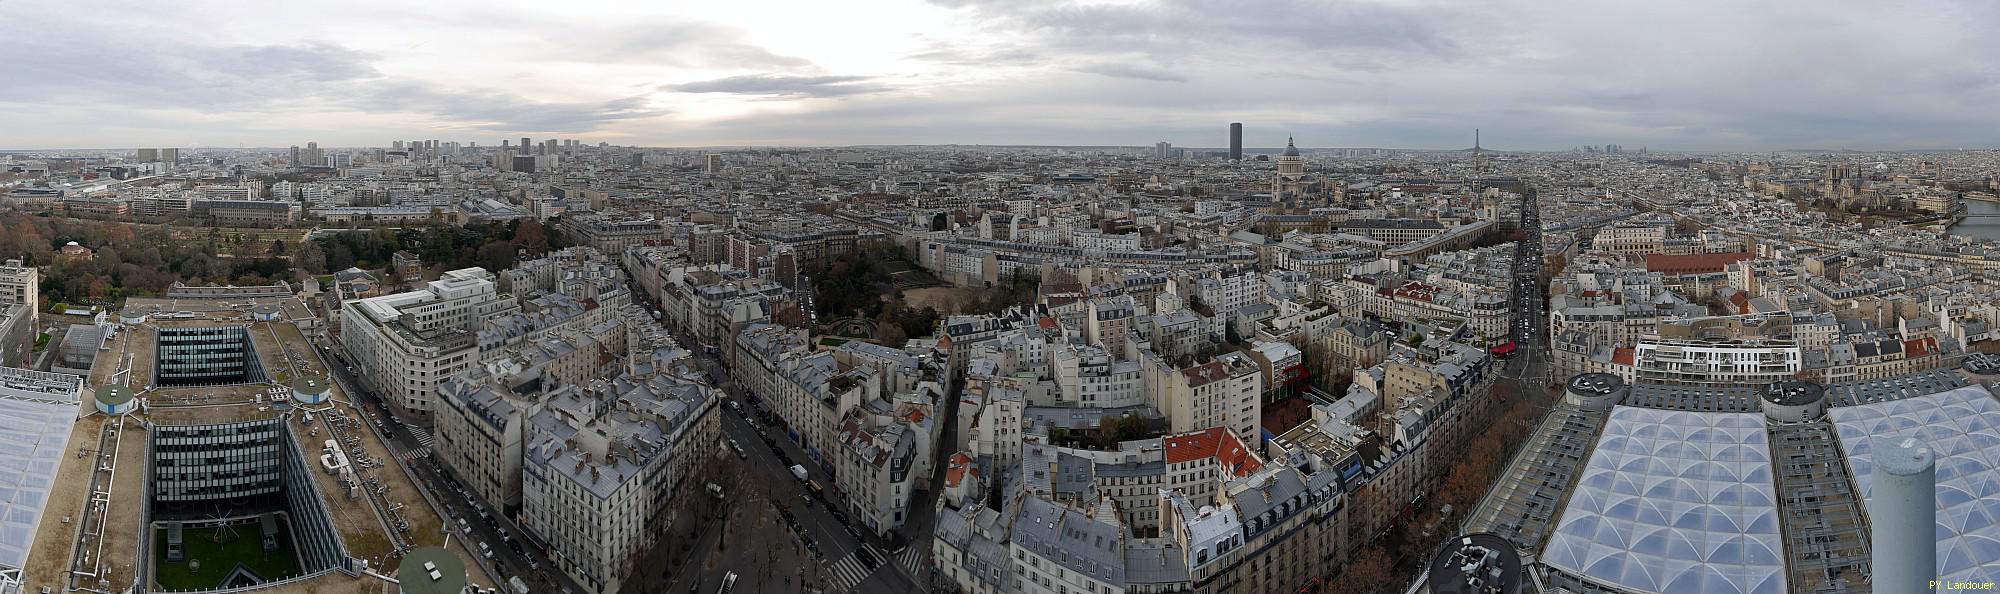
pixel 1675 502
pixel 33 435
pixel 1962 428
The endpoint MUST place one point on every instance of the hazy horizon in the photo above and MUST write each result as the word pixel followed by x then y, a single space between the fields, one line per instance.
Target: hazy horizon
pixel 1535 76
pixel 1251 150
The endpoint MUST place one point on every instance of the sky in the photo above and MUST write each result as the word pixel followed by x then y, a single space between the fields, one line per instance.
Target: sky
pixel 1531 74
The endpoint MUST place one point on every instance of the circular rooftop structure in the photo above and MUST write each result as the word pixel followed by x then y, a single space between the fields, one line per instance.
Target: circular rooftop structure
pixel 114 394
pixel 266 312
pixel 431 570
pixel 1479 563
pixel 311 389
pixel 1595 391
pixel 1981 364
pixel 132 315
pixel 1596 383
pixel 114 399
pixel 1793 392
pixel 1793 401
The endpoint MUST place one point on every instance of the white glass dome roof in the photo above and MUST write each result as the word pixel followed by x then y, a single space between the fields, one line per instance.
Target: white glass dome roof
pixel 1962 428
pixel 1675 502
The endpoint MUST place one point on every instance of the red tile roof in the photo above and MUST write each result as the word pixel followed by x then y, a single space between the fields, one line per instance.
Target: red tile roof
pixel 1693 263
pixel 1216 443
pixel 1418 291
pixel 1201 375
pixel 1622 355
pixel 959 466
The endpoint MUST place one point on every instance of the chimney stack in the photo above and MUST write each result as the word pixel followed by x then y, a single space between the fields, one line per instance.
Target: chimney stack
pixel 1902 513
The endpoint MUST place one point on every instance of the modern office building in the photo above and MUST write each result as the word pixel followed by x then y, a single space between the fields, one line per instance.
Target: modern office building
pixel 245 211
pixel 196 463
pixel 1719 351
pixel 205 356
pixel 239 474
pixel 1236 141
pixel 404 345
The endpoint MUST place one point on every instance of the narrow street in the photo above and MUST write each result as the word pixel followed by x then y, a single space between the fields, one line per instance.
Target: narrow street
pixel 469 520
pixel 850 558
pixel 1531 366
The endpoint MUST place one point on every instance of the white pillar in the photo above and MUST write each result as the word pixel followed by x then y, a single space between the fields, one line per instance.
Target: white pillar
pixel 1902 510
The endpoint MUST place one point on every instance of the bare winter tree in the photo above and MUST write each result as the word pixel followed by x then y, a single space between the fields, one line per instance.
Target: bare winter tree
pixel 693 514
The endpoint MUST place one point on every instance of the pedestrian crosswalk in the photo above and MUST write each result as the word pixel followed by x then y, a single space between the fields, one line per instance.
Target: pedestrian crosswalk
pixel 421 434
pixel 845 574
pixel 915 559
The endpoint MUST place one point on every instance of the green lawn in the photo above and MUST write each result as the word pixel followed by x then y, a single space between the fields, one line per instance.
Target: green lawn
pixel 218 559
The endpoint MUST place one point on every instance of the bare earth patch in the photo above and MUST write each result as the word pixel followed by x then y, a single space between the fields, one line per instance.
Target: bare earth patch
pixel 49 557
pixel 946 300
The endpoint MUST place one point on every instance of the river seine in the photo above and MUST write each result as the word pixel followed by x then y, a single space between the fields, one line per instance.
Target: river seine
pixel 1979 227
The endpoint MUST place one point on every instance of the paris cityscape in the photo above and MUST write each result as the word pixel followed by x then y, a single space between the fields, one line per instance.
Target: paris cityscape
pixel 974 297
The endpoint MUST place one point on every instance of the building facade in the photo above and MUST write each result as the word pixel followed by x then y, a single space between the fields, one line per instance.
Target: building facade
pixel 404 345
pixel 605 467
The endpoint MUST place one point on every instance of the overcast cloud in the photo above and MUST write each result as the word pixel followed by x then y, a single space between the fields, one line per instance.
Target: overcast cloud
pixel 1533 74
